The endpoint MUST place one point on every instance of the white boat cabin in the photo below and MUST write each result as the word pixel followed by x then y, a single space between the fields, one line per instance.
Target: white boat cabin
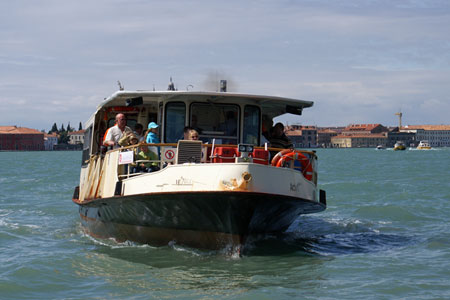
pixel 219 117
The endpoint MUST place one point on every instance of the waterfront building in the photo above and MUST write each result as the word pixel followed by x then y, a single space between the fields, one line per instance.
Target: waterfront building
pixel 324 136
pixel 361 136
pixel 436 135
pixel 359 140
pixel 76 137
pixel 50 141
pixel 302 136
pixel 364 129
pixel 408 138
pixel 13 138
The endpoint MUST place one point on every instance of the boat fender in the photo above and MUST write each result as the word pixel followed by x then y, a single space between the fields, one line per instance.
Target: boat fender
pixel 279 155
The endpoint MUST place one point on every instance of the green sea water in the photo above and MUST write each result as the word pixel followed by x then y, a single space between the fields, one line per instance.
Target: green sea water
pixel 384 235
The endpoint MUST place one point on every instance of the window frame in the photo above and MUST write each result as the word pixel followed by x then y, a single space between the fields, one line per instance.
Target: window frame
pixel 209 137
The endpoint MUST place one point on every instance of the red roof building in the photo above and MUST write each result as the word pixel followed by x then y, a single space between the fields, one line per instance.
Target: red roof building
pixel 13 138
pixel 362 129
pixel 302 136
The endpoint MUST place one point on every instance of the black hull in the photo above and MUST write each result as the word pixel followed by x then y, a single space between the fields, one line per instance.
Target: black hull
pixel 208 220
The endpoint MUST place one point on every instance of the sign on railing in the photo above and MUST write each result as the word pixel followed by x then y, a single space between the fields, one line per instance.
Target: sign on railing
pixel 168 154
pixel 126 157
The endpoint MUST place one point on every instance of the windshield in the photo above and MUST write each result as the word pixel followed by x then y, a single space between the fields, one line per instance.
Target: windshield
pixel 219 121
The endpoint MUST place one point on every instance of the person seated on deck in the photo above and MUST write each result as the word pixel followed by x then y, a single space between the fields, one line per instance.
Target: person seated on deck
pixel 139 132
pixel 116 132
pixel 278 138
pixel 144 153
pixel 189 133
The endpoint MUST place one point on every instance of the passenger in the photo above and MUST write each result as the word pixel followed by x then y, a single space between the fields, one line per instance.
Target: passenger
pixel 278 138
pixel 152 137
pixel 139 131
pixel 128 140
pixel 190 133
pixel 116 132
pixel 146 154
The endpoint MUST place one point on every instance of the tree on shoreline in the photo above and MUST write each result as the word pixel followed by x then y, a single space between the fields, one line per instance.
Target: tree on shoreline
pixel 63 133
pixel 54 128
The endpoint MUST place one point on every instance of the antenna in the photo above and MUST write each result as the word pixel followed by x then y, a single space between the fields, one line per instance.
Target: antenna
pixel 120 85
pixel 171 86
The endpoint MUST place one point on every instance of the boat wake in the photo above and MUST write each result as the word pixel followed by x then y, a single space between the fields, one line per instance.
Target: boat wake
pixel 315 236
pixel 308 236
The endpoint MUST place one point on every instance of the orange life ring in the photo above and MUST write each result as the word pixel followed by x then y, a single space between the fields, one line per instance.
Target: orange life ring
pixel 306 166
pixel 279 155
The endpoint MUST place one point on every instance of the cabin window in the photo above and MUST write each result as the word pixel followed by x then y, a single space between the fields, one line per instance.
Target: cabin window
pixel 252 117
pixel 86 146
pixel 175 119
pixel 216 121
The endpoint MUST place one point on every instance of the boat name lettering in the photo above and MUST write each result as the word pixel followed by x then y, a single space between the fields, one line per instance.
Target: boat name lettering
pixel 295 187
pixel 183 181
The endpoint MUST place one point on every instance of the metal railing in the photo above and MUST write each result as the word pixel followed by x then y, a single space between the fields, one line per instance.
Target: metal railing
pixel 168 154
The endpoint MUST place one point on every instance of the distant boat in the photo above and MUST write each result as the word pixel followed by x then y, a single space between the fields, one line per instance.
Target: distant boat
pixel 381 147
pixel 424 145
pixel 399 146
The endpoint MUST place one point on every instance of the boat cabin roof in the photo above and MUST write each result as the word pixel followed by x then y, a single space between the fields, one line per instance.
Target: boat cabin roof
pixel 275 105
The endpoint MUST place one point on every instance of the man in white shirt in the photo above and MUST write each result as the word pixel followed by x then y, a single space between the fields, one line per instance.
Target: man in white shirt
pixel 116 132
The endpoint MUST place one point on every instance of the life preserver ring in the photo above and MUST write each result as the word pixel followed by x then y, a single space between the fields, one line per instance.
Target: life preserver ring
pixel 279 155
pixel 305 164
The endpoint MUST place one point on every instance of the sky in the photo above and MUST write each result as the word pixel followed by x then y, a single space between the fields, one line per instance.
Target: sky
pixel 360 61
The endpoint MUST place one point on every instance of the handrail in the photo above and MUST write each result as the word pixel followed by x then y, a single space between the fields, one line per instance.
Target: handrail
pixel 206 145
pixel 162 163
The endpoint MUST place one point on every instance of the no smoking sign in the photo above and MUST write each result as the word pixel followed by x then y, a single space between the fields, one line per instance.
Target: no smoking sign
pixel 169 154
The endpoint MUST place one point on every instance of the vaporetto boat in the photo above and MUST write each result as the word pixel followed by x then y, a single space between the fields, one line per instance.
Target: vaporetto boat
pixel 424 145
pixel 399 145
pixel 212 193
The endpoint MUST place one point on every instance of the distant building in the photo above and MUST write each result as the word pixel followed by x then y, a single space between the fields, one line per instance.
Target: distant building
pixel 50 141
pixel 364 129
pixel 302 136
pixel 13 138
pixel 361 136
pixel 436 135
pixel 358 141
pixel 324 136
pixel 408 138
pixel 76 137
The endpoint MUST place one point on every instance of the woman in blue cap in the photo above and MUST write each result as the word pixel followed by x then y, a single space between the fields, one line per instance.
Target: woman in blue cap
pixel 152 137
